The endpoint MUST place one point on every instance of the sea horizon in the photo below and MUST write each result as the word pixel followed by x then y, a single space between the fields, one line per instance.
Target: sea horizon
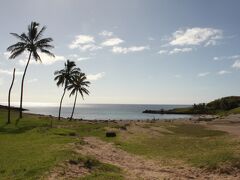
pixel 108 111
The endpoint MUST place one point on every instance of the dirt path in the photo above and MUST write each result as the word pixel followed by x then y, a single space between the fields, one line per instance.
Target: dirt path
pixel 231 129
pixel 136 167
pixel 229 124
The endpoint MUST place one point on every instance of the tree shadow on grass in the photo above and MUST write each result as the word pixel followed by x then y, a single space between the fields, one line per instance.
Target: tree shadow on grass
pixel 16 129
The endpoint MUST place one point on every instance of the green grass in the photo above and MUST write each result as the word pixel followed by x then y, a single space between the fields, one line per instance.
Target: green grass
pixel 235 111
pixel 189 143
pixel 98 169
pixel 31 148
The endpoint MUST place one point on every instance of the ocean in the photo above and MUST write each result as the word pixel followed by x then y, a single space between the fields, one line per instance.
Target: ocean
pixel 109 111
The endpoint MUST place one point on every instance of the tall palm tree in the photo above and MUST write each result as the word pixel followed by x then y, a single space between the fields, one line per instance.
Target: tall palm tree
pixel 78 85
pixel 64 77
pixel 33 43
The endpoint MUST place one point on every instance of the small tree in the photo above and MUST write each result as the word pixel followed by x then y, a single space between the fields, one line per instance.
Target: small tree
pixel 9 98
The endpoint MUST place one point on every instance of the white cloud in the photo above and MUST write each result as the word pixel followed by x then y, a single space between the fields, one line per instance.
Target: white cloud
pixel 178 76
pixel 83 58
pixel 10 72
pixel 234 57
pixel 203 74
pixel 112 42
pixel 124 50
pixel 222 72
pixel 1 81
pixel 32 80
pixel 175 51
pixel 89 47
pixel 151 39
pixel 73 56
pixel 236 64
pixel 106 33
pixel 196 36
pixel 80 40
pixel 78 58
pixel 6 54
pixel 46 60
pixel 162 51
pixel 94 77
pixel 180 50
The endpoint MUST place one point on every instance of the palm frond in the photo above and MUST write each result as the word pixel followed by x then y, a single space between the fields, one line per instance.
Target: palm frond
pixel 17 45
pixel 16 53
pixel 19 37
pixel 40 33
pixel 32 30
pixel 46 52
pixel 36 56
pixel 26 37
pixel 43 41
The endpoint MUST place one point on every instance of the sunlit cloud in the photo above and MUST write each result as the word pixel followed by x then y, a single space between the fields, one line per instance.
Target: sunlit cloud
pixel 236 64
pixel 77 57
pixel 10 72
pixel 46 60
pixel 32 80
pixel 112 42
pixel 222 72
pixel 106 33
pixel 175 51
pixel 178 76
pixel 180 50
pixel 233 57
pixel 83 58
pixel 94 77
pixel 6 54
pixel 162 51
pixel 80 40
pixel 89 47
pixel 196 36
pixel 203 74
pixel 150 38
pixel 125 50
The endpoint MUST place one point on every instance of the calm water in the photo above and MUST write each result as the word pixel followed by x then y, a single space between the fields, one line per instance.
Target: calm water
pixel 107 111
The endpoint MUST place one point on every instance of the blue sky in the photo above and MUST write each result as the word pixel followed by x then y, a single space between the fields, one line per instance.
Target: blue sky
pixel 138 51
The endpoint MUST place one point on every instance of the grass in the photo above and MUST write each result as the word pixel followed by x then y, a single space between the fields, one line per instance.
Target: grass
pixel 192 144
pixel 31 148
pixel 98 169
pixel 235 111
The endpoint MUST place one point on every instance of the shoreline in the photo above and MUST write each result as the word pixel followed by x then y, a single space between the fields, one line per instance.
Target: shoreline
pixel 193 118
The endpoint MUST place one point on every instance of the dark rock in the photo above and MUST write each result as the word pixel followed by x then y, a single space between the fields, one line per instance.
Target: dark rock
pixel 111 134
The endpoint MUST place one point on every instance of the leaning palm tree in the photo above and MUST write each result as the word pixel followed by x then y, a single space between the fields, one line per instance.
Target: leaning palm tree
pixel 33 43
pixel 78 85
pixel 64 77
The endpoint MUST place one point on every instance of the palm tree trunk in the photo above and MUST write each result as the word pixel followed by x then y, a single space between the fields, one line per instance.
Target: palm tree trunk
pixel 74 106
pixel 9 97
pixel 60 107
pixel 21 99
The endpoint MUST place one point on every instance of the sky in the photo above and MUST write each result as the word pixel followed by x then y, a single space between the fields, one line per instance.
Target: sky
pixel 133 52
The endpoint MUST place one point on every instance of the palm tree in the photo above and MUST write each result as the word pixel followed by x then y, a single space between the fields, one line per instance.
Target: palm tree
pixel 78 85
pixel 64 77
pixel 9 97
pixel 33 44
